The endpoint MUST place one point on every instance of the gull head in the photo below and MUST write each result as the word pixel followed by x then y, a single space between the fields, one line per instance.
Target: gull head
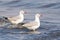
pixel 22 12
pixel 38 15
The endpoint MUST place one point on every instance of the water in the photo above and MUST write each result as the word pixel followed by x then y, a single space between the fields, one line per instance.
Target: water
pixel 50 21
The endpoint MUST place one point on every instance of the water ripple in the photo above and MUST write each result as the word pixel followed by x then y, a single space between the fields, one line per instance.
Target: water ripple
pixel 12 2
pixel 20 3
pixel 49 5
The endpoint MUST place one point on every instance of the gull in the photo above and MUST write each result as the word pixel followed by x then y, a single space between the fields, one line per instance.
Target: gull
pixel 34 24
pixel 17 19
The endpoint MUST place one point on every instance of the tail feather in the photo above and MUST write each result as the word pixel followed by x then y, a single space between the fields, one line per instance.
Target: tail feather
pixel 5 18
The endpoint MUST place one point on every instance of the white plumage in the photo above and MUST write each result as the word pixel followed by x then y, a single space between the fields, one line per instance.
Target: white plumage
pixel 34 24
pixel 17 19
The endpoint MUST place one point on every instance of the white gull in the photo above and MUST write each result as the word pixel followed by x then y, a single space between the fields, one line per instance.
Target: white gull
pixel 15 20
pixel 34 24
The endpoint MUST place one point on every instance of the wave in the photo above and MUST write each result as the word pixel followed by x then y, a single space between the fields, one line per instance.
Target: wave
pixel 12 2
pixel 20 3
pixel 49 5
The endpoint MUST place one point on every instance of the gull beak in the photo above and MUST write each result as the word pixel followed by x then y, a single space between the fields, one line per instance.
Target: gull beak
pixel 41 14
pixel 25 12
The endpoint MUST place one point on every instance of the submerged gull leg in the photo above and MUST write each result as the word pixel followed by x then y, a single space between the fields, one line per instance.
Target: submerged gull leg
pixel 12 26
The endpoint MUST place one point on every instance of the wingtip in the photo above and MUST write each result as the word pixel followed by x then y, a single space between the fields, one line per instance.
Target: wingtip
pixel 5 18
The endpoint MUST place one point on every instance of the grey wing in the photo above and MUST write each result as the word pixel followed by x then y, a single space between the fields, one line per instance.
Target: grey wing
pixel 30 24
pixel 14 18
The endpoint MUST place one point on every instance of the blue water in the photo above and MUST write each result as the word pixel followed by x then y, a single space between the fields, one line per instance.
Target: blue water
pixel 50 21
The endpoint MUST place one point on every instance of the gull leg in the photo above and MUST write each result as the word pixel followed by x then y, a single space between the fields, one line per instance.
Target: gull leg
pixel 12 26
pixel 34 30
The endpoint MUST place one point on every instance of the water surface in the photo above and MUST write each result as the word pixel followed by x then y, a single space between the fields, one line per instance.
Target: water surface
pixel 50 21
